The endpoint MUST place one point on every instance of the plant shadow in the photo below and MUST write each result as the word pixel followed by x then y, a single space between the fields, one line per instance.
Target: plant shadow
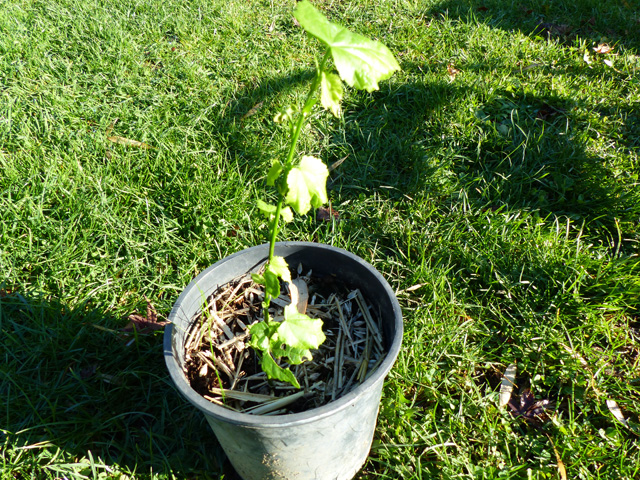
pixel 75 384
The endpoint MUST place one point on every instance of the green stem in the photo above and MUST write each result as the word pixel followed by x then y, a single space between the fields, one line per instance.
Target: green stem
pixel 302 115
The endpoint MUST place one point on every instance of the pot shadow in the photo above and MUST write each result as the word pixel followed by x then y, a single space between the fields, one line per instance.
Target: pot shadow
pixel 75 387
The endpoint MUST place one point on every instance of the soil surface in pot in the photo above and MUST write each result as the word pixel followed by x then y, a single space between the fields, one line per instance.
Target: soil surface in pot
pixel 221 366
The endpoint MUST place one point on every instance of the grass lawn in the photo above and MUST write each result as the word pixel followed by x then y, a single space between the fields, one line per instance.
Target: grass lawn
pixel 494 182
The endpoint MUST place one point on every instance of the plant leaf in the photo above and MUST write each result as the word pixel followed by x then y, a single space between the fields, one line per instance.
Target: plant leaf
pixel 294 356
pixel 261 335
pixel 307 185
pixel 361 62
pixel 274 173
pixel 279 267
pixel 286 214
pixel 331 92
pixel 273 370
pixel 266 208
pixel 300 331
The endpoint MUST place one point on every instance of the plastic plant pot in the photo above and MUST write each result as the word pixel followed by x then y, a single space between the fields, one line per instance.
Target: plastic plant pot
pixel 330 442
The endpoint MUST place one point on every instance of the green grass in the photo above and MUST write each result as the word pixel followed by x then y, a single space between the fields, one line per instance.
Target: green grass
pixel 503 206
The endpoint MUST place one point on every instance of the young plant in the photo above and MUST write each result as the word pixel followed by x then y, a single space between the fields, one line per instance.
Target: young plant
pixel 301 184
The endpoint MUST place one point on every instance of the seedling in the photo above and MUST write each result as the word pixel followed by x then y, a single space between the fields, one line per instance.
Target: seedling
pixel 300 184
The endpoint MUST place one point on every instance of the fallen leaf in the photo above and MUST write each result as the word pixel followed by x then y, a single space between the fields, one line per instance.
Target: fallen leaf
pixel 586 58
pixel 299 294
pixel 87 372
pixel 529 409
pixel 326 214
pixel 556 29
pixel 615 410
pixel 111 125
pixel 453 71
pixel 602 48
pixel 562 471
pixel 146 324
pixel 337 163
pixel 532 66
pixel 415 287
pixel 508 382
pixel 252 111
pixel 546 111
pixel 128 142
pixel 482 9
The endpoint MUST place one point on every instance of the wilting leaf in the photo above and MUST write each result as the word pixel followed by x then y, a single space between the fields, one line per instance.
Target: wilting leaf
pixel 127 142
pixel 508 382
pixel 280 268
pixel 274 173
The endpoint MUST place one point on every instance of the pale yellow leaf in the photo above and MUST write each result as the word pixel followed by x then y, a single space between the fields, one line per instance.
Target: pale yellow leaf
pixel 602 48
pixel 508 382
pixel 615 410
pixel 128 142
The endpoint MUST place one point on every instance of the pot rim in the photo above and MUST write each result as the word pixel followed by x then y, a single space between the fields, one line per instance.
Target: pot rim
pixel 287 420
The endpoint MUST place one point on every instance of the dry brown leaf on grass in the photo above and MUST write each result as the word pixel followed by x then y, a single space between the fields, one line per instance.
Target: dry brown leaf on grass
pixel 146 324
pixel 453 71
pixel 87 372
pixel 532 411
pixel 602 48
pixel 562 471
pixel 252 111
pixel 326 214
pixel 127 142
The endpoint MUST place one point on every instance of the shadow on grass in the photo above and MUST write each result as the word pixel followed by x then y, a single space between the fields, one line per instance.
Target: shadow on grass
pixel 592 20
pixel 74 388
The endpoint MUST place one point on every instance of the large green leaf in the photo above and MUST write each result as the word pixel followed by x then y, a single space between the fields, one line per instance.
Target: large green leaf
pixel 300 331
pixel 273 370
pixel 361 62
pixel 307 185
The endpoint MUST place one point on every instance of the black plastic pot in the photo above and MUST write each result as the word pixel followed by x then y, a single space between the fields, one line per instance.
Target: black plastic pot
pixel 329 442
